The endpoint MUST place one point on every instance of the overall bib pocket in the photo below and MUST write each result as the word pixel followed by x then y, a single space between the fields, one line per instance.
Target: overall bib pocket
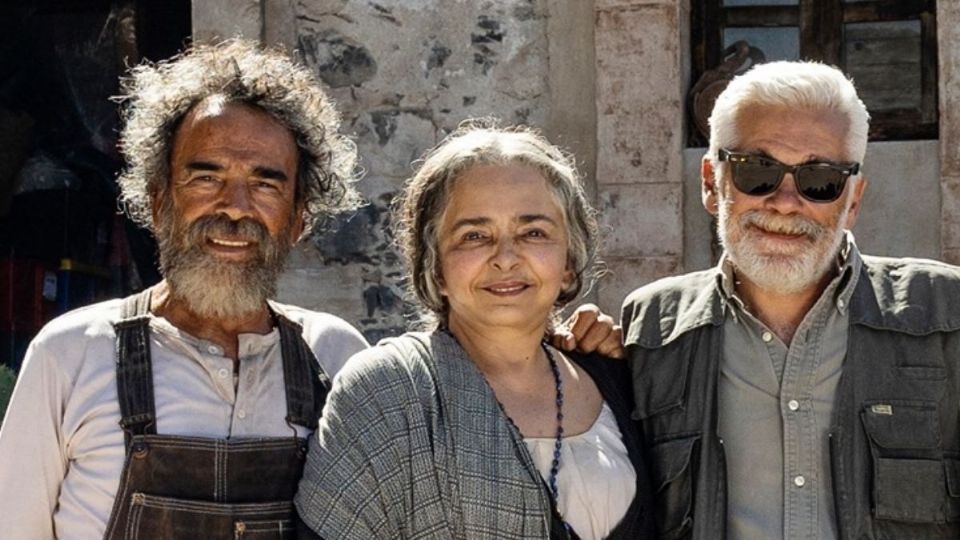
pixel 153 516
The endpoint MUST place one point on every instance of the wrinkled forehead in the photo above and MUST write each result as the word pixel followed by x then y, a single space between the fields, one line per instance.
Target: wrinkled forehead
pixel 813 132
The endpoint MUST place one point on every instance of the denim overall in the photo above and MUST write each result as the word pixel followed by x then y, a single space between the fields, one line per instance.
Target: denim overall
pixel 195 487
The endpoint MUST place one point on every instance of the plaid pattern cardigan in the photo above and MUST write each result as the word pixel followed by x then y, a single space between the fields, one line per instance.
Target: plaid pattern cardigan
pixel 413 444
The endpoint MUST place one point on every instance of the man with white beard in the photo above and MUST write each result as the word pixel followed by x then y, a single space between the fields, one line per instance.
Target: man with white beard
pixel 183 412
pixel 799 389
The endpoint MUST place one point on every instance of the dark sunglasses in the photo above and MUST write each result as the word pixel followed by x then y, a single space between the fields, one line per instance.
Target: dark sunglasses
pixel 818 182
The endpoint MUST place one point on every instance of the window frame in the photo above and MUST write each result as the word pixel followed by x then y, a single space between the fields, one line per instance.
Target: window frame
pixel 821 24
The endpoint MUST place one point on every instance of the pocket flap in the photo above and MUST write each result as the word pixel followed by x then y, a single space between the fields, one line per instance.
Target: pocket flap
pixel 671 458
pixel 900 424
pixel 909 490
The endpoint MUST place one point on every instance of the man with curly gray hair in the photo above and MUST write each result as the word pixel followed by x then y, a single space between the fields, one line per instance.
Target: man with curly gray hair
pixel 183 411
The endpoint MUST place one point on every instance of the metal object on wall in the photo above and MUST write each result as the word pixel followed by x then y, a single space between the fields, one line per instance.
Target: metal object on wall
pixel 738 58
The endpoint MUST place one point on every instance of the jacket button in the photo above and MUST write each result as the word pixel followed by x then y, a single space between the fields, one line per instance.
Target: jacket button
pixel 793 404
pixel 799 480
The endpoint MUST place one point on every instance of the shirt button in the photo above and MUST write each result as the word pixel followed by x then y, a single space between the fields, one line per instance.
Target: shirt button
pixel 793 404
pixel 243 414
pixel 213 349
pixel 223 373
pixel 840 303
pixel 767 337
pixel 799 480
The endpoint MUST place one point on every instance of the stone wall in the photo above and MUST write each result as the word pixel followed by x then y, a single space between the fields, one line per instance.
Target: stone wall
pixel 604 78
pixel 641 78
pixel 404 74
pixel 948 36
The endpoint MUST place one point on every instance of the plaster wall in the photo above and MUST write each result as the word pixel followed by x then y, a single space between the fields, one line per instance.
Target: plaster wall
pixel 404 74
pixel 604 78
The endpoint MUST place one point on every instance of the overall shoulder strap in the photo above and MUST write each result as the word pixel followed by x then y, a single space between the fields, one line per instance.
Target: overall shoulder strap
pixel 134 368
pixel 305 382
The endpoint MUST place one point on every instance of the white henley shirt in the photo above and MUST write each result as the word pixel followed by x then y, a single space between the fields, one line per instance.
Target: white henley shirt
pixel 61 447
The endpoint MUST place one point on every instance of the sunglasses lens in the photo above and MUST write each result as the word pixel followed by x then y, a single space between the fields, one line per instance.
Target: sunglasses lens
pixel 820 183
pixel 756 177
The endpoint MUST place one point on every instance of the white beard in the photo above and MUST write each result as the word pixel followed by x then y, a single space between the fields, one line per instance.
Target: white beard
pixel 776 266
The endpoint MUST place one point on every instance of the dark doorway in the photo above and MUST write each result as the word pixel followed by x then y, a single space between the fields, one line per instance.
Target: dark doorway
pixel 63 243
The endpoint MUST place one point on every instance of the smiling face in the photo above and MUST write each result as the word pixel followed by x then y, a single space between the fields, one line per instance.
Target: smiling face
pixel 503 249
pixel 781 241
pixel 229 216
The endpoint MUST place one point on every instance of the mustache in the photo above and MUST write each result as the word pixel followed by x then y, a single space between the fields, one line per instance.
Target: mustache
pixel 783 224
pixel 220 225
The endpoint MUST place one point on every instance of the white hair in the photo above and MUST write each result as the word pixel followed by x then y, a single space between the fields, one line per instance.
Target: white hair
pixel 809 86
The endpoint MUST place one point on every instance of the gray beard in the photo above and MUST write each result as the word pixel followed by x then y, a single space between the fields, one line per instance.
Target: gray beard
pixel 783 272
pixel 211 287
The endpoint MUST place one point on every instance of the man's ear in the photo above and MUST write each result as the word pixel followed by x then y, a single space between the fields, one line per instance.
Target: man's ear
pixel 859 186
pixel 708 185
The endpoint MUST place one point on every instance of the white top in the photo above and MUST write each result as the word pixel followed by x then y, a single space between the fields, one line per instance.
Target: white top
pixel 61 447
pixel 596 479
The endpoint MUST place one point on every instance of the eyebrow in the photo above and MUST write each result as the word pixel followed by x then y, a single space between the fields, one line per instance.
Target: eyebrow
pixel 270 173
pixel 260 171
pixel 203 166
pixel 523 219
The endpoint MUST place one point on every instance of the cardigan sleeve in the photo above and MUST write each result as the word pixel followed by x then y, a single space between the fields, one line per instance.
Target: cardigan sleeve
pixel 369 470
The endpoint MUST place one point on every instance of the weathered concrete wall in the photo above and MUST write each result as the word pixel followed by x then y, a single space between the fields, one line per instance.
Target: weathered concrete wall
pixel 405 73
pixel 641 78
pixel 605 78
pixel 948 36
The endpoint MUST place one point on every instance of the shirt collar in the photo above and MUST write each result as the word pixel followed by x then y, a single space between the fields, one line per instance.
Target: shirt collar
pixel 848 264
pixel 249 344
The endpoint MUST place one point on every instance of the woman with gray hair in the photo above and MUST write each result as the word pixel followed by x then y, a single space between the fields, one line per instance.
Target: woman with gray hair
pixel 480 429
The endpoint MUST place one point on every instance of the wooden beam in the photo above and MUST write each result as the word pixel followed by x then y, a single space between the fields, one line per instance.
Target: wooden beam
pixel 752 16
pixel 821 31
pixel 886 10
pixel 928 66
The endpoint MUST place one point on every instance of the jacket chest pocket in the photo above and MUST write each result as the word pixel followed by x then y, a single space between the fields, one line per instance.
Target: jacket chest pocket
pixel 674 466
pixel 912 480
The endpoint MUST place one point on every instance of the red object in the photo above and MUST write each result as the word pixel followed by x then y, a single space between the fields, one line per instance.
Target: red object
pixel 22 306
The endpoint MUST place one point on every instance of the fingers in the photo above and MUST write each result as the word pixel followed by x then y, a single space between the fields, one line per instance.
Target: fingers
pixel 612 345
pixel 563 340
pixel 593 331
pixel 582 319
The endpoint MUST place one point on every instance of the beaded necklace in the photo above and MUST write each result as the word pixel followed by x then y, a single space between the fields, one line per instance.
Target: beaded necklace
pixel 558 443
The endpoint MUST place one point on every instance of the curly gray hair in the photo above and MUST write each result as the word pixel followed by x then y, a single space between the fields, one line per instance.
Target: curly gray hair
pixel 477 142
pixel 156 97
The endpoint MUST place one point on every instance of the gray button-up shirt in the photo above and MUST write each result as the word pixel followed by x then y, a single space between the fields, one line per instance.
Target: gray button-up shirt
pixel 775 408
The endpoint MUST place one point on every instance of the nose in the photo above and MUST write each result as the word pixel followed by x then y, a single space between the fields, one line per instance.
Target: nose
pixel 235 200
pixel 505 257
pixel 786 199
